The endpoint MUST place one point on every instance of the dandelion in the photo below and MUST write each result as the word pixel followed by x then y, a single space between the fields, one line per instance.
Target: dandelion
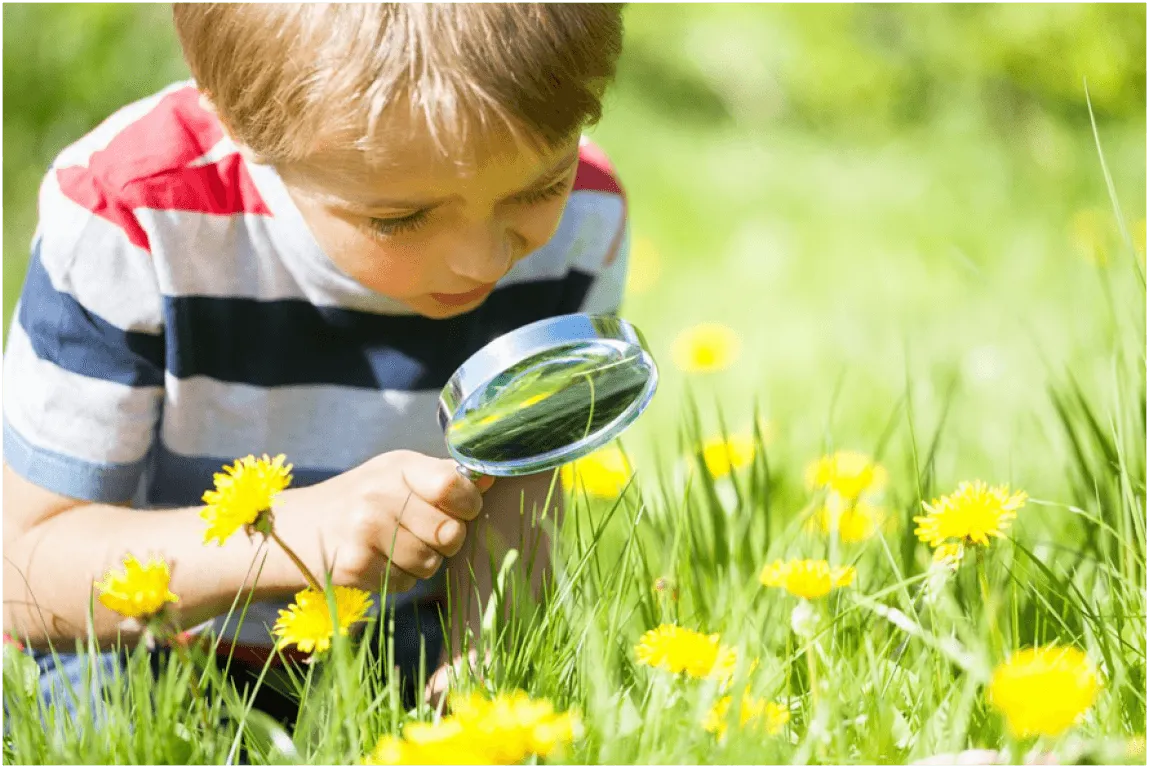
pixel 677 649
pixel 856 520
pixel 502 731
pixel 706 348
pixel 971 514
pixel 1043 691
pixel 513 726
pixel 1089 233
pixel 847 473
pixel 243 493
pixel 307 622
pixel 809 579
pixel 723 456
pixel 604 473
pixel 643 267
pixel 949 555
pixel 139 590
pixel 1139 238
pixel 767 715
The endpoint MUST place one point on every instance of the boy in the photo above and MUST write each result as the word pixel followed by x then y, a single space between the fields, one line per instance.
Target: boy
pixel 291 255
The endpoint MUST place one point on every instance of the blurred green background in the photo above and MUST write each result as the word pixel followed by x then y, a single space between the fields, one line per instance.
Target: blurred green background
pixel 879 199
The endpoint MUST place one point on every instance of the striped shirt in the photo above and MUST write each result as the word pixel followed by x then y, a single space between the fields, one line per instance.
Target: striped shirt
pixel 178 313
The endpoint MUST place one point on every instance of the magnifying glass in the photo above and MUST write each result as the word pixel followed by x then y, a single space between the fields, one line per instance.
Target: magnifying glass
pixel 546 394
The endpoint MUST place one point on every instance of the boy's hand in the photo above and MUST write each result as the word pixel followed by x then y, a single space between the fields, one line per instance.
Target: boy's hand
pixel 400 508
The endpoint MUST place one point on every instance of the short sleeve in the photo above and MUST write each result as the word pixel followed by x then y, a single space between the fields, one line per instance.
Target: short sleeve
pixel 84 364
pixel 609 285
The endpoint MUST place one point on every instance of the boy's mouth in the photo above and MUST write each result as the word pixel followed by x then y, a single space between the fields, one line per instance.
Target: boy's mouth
pixel 459 299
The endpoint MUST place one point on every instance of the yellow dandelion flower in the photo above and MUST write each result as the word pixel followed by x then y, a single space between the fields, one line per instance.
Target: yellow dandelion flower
pixel 139 590
pixel 642 267
pixel 1043 691
pixel 847 473
pixel 810 579
pixel 950 554
pixel 242 493
pixel 1089 232
pixel 307 622
pixel 767 715
pixel 725 456
pixel 513 726
pixel 1139 238
pixel 856 520
pixel 442 743
pixel 705 348
pixel 604 473
pixel 971 514
pixel 676 649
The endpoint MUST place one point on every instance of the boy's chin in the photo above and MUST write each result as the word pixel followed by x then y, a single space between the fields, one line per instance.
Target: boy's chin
pixel 428 307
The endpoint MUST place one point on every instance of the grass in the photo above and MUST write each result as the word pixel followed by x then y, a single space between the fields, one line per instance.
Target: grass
pixel 955 287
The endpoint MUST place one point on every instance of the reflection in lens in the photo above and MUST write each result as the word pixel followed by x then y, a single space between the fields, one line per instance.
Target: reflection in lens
pixel 550 401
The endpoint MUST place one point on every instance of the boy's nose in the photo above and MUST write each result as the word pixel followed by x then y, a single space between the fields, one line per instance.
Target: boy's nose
pixel 487 263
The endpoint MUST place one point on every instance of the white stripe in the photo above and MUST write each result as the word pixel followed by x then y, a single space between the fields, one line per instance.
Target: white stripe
pixel 268 258
pixel 222 149
pixel 91 259
pixel 206 417
pixel 81 151
pixel 89 419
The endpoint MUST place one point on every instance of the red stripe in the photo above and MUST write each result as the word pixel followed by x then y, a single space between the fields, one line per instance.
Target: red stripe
pixel 595 172
pixel 146 166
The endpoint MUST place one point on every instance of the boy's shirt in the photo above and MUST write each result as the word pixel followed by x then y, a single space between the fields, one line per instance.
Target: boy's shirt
pixel 178 314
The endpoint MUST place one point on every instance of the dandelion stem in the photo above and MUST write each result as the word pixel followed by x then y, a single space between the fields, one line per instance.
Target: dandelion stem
pixel 314 582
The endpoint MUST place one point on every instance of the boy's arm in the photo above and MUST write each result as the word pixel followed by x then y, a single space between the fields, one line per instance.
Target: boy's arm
pixel 505 523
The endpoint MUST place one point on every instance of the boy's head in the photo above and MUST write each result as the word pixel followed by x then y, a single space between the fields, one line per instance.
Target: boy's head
pixel 428 146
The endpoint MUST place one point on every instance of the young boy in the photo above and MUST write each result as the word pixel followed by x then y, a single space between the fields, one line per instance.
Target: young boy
pixel 291 255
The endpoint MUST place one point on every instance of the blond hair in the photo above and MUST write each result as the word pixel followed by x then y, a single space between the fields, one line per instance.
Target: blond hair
pixel 288 80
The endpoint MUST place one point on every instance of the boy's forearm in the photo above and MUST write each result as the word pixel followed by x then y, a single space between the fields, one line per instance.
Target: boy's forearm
pixel 49 570
pixel 504 524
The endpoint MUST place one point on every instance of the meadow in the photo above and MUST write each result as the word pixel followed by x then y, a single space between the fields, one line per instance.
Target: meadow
pixel 909 236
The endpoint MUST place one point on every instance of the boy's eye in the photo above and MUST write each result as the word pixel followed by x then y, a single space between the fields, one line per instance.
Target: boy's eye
pixel 406 223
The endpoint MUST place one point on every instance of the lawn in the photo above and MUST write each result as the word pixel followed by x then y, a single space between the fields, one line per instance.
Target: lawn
pixel 922 249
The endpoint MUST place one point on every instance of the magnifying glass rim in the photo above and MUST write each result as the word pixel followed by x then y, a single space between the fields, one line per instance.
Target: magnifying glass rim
pixel 530 340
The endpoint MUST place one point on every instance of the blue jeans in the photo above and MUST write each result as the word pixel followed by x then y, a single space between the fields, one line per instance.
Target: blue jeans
pixel 415 624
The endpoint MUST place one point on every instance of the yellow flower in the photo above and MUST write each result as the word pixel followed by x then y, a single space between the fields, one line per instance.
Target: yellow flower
pixel 705 348
pixel 723 457
pixel 643 268
pixel 856 520
pixel 971 514
pixel 1139 238
pixel 139 590
pixel 307 622
pixel 764 714
pixel 950 554
pixel 810 579
pixel 1042 691
pixel 847 473
pixel 242 493
pixel 513 726
pixel 1089 233
pixel 502 731
pixel 604 473
pixel 675 649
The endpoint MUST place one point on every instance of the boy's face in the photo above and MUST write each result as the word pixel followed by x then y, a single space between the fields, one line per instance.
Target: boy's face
pixel 427 233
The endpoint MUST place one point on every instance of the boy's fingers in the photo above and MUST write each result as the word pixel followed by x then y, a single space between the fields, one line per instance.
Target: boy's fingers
pixel 409 553
pixel 439 484
pixel 440 531
pixel 484 483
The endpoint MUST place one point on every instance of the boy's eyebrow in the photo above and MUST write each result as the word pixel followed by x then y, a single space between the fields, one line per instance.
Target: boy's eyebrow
pixel 369 205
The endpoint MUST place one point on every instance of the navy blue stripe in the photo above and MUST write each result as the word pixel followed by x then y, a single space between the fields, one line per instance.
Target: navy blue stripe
pixel 76 339
pixel 293 342
pixel 175 480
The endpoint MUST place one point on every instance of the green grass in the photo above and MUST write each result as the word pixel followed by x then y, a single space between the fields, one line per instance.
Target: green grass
pixel 897 226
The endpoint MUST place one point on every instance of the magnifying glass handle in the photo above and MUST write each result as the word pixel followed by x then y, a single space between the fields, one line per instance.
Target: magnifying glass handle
pixel 470 474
